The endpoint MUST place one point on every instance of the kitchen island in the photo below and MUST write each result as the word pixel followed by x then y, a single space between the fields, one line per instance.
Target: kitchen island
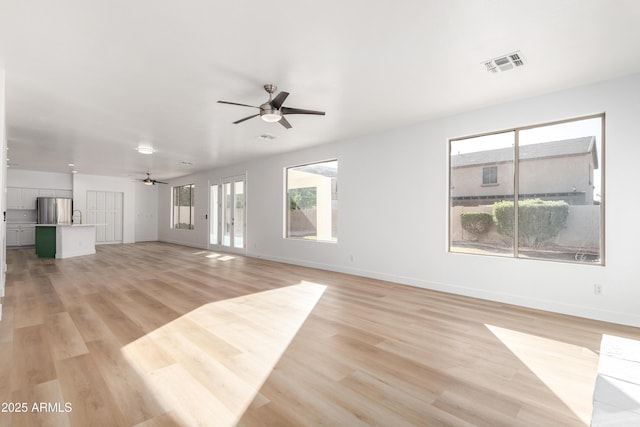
pixel 65 240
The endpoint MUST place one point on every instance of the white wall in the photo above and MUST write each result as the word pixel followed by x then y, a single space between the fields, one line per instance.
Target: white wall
pixel 83 183
pixel 37 179
pixel 392 219
pixel 199 236
pixel 146 212
pixel 3 188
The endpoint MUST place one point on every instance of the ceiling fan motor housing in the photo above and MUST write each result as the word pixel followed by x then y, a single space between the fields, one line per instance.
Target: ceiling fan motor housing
pixel 269 114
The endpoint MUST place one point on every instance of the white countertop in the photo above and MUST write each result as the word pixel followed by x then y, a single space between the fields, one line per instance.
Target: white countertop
pixel 66 225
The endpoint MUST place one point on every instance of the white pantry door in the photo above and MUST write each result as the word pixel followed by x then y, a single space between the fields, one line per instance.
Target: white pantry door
pixel 104 208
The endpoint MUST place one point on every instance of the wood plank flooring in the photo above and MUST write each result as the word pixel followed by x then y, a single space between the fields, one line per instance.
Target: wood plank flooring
pixel 154 334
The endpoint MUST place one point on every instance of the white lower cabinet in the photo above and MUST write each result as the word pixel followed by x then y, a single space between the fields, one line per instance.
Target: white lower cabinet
pixel 28 235
pixel 21 235
pixel 12 236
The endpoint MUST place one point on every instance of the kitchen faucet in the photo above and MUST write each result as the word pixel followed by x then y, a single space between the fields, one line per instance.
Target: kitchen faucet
pixel 74 214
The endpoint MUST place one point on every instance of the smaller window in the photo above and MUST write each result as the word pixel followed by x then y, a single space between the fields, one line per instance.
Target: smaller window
pixel 312 201
pixel 490 175
pixel 183 207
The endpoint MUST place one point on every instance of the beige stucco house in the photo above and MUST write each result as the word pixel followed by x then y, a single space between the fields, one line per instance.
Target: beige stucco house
pixel 557 170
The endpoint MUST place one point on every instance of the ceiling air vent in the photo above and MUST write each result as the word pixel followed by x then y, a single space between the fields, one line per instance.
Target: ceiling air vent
pixel 504 62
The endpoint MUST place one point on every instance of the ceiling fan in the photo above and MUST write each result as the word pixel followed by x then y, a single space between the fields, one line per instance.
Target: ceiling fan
pixel 272 110
pixel 149 181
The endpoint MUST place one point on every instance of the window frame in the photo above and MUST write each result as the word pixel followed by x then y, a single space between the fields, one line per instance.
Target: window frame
pixel 286 231
pixel 191 223
pixel 516 178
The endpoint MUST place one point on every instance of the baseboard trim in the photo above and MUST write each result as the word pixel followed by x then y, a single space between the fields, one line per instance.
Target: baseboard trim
pixel 189 244
pixel 629 319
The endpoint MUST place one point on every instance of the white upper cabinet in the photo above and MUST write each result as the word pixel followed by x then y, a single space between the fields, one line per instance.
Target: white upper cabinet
pixel 22 198
pixel 55 193
pixel 25 198
pixel 14 198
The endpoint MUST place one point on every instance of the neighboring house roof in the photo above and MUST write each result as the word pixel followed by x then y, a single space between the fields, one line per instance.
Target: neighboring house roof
pixel 567 147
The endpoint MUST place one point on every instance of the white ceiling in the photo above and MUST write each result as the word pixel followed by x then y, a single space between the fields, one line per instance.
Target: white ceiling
pixel 88 80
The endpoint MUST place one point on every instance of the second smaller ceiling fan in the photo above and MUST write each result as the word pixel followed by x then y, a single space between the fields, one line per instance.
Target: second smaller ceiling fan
pixel 149 181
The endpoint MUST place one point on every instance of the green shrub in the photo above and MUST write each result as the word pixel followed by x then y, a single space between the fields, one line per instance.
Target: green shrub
pixel 503 217
pixel 476 222
pixel 538 220
pixel 183 226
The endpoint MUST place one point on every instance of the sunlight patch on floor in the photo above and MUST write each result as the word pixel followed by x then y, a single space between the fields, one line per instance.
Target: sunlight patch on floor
pixel 564 368
pixel 206 367
pixel 214 255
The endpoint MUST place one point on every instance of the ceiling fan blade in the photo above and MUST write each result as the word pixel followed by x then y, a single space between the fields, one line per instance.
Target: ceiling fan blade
pixel 236 103
pixel 246 118
pixel 284 123
pixel 279 100
pixel 159 182
pixel 285 110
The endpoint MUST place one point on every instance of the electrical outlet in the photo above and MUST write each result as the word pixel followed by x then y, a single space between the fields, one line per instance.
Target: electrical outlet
pixel 597 289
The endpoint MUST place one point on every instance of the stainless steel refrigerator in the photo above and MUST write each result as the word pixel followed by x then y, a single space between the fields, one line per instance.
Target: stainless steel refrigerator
pixel 54 210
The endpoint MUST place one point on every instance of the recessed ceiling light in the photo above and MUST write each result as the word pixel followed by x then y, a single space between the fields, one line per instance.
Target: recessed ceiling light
pixel 71 164
pixel 74 171
pixel 266 137
pixel 144 149
pixel 186 163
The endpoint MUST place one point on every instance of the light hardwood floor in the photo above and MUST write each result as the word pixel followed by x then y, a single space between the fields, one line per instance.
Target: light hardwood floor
pixel 155 334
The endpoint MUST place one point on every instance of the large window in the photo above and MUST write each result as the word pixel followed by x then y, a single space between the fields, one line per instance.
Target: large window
pixel 312 201
pixel 525 193
pixel 183 207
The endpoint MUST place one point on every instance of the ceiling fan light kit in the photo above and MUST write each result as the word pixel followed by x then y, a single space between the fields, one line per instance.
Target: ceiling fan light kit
pixel 269 114
pixel 272 111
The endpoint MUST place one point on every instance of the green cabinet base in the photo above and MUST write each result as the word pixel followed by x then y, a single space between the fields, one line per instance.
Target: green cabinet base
pixel 46 242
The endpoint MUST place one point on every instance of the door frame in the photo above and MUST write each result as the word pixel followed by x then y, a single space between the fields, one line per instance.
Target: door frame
pixel 214 220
